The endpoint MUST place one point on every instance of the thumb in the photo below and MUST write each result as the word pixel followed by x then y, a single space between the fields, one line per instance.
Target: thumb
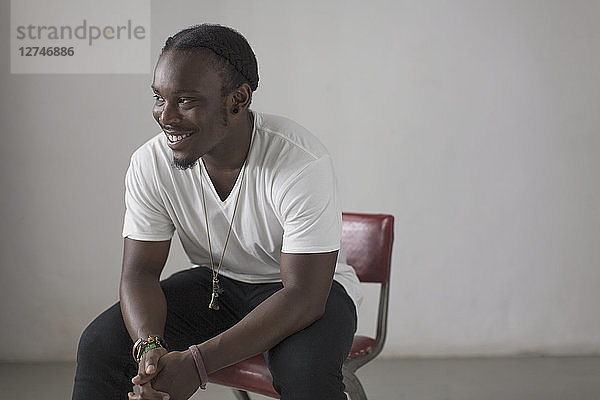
pixel 151 360
pixel 148 366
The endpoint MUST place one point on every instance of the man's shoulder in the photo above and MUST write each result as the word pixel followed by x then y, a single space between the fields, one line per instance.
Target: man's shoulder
pixel 288 151
pixel 285 134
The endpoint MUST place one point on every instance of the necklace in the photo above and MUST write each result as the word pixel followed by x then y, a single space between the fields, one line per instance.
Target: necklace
pixel 216 289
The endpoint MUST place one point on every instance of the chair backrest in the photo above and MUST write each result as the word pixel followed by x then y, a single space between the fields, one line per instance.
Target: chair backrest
pixel 367 240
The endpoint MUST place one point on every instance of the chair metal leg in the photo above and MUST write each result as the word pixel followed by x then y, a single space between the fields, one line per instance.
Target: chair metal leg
pixel 354 388
pixel 240 394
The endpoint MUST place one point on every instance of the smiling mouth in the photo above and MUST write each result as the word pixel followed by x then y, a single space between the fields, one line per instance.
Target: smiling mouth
pixel 177 138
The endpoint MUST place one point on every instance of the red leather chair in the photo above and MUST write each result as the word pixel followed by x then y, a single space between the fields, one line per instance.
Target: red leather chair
pixel 367 239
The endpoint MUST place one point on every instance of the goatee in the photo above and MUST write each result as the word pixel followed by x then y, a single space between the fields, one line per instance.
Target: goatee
pixel 185 163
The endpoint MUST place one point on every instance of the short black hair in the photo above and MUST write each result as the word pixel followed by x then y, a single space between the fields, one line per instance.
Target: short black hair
pixel 233 53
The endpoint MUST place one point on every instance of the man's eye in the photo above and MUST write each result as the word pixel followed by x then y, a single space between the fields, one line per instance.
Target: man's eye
pixel 185 100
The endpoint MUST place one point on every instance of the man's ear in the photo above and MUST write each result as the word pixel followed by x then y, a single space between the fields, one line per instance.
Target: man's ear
pixel 240 99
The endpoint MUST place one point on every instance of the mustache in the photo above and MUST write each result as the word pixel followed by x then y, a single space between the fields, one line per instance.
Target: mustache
pixel 173 129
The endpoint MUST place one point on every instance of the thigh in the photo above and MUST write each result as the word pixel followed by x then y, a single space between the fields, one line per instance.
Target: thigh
pixel 189 320
pixel 308 364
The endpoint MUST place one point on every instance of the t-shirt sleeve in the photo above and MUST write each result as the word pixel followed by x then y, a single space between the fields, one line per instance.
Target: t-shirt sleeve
pixel 145 215
pixel 310 210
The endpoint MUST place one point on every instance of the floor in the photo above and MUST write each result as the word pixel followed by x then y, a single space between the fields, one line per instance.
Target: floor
pixel 547 378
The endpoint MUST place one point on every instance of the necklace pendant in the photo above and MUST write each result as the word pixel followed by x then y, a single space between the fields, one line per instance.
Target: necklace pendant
pixel 214 301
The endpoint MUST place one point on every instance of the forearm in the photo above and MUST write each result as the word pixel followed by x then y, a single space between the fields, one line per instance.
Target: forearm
pixel 143 305
pixel 282 314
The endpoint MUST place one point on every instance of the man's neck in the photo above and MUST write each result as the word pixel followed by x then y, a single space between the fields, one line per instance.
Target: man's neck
pixel 231 154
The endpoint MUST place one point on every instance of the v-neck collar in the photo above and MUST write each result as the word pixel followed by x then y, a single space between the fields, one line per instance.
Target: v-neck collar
pixel 207 179
pixel 238 180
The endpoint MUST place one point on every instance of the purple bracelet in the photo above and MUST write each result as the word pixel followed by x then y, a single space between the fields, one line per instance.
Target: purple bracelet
pixel 199 366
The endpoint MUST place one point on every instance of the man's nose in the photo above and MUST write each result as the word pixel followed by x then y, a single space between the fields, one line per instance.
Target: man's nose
pixel 169 114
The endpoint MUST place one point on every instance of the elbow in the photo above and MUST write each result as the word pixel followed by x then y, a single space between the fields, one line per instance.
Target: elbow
pixel 302 307
pixel 319 311
pixel 311 312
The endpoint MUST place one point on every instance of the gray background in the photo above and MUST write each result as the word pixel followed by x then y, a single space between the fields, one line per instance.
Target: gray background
pixel 475 123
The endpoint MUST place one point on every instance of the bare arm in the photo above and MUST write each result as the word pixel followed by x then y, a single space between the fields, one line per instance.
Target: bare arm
pixel 142 300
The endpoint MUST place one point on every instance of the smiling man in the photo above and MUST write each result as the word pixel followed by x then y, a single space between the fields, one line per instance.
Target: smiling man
pixel 253 199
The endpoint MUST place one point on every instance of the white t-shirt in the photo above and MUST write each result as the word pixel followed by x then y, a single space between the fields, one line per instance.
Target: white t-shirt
pixel 289 203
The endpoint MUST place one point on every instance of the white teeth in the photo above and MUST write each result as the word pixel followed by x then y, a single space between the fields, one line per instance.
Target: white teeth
pixel 177 138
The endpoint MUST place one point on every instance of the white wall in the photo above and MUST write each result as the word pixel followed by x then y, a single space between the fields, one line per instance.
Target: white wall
pixel 476 123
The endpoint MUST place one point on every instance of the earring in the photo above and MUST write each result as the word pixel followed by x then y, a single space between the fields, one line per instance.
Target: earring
pixel 235 110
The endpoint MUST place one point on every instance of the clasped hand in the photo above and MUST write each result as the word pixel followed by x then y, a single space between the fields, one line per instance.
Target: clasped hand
pixel 166 376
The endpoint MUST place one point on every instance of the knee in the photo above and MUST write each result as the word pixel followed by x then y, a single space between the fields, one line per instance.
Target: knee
pixel 102 334
pixel 303 379
pixel 90 338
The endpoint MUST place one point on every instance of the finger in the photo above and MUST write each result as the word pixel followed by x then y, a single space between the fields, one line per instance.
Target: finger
pixel 147 392
pixel 135 395
pixel 147 360
pixel 148 366
pixel 151 362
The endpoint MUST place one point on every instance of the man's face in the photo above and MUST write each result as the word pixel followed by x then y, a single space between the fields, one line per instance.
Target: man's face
pixel 189 105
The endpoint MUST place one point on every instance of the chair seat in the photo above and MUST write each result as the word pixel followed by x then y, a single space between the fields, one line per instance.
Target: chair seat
pixel 253 375
pixel 362 345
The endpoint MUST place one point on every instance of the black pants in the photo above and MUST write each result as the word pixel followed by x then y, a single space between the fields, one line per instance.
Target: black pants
pixel 306 365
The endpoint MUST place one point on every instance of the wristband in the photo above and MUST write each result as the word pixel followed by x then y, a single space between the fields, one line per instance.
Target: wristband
pixel 199 366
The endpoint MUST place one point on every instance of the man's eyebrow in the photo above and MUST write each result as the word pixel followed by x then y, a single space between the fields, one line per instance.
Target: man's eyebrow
pixel 187 91
pixel 178 90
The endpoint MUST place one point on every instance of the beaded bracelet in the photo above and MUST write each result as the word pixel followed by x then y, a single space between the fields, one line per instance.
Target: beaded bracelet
pixel 142 346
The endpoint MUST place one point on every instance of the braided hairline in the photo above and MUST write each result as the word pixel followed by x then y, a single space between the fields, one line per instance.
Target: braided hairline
pixel 235 56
